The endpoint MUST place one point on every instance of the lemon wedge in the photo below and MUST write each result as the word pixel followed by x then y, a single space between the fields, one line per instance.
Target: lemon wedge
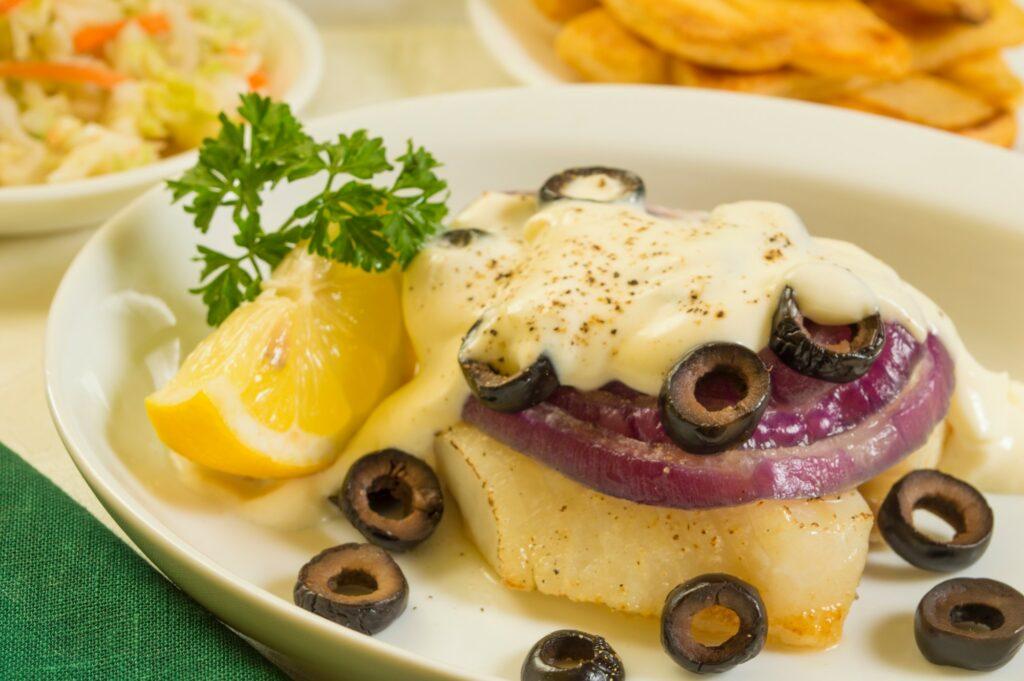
pixel 280 386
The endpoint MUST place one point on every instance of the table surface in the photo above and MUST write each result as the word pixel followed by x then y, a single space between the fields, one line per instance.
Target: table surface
pixel 375 49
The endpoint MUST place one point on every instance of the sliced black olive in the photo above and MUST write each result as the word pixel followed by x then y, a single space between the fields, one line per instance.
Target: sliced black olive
pixel 392 498
pixel 521 390
pixel 714 397
pixel 359 586
pixel 570 655
pixel 619 186
pixel 699 594
pixel 461 238
pixel 970 623
pixel 953 500
pixel 818 351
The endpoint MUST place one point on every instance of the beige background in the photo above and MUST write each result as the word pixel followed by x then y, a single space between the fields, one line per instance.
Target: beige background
pixel 376 50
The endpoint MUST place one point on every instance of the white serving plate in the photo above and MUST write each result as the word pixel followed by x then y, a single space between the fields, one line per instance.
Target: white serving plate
pixel 296 62
pixel 947 212
pixel 522 40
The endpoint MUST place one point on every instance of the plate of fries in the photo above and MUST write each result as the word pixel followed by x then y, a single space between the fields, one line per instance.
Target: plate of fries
pixel 948 64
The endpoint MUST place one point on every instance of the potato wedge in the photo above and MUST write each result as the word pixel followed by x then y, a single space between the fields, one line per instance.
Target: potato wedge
pixel 787 82
pixel 726 34
pixel 597 46
pixel 844 38
pixel 837 37
pixel 973 11
pixel 1001 130
pixel 563 10
pixel 936 44
pixel 928 100
pixel 540 530
pixel 987 75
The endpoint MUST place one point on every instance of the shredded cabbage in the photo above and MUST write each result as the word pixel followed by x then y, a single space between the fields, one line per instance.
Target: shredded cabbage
pixel 174 65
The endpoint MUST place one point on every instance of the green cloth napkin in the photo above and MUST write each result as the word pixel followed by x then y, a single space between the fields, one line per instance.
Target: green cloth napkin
pixel 77 603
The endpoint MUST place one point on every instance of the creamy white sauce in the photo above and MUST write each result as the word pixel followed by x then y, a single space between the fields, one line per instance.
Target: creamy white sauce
pixel 596 187
pixel 610 292
pixel 830 294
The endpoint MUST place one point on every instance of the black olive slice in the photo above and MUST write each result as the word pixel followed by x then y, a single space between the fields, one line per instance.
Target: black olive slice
pixel 619 186
pixel 392 498
pixel 460 238
pixel 570 655
pixel 359 586
pixel 953 500
pixel 714 397
pixel 522 390
pixel 808 348
pixel 970 623
pixel 699 594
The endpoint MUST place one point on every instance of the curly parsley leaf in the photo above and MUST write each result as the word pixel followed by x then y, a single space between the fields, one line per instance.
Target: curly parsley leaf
pixel 350 220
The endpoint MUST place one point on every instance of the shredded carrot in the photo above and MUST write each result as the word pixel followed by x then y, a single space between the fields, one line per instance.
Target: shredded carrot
pixel 60 72
pixel 94 36
pixel 154 23
pixel 258 80
pixel 8 5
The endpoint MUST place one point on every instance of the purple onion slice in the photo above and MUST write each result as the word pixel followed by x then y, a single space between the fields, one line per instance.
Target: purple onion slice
pixel 599 453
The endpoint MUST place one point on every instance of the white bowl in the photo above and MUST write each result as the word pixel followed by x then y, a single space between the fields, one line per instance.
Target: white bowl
pixel 297 61
pixel 522 40
pixel 947 212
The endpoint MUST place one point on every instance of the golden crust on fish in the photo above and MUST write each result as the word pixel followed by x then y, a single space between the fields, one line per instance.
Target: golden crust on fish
pixel 603 51
pixel 540 530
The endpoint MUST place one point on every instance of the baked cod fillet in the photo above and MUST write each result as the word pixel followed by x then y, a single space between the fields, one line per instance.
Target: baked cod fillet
pixel 540 530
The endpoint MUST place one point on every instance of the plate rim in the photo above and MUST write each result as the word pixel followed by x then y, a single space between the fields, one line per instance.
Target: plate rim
pixel 134 520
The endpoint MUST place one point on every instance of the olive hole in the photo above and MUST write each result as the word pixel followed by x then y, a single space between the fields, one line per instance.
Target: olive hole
pixel 714 625
pixel 390 497
pixel 976 617
pixel 353 583
pixel 567 652
pixel 720 388
pixel 938 518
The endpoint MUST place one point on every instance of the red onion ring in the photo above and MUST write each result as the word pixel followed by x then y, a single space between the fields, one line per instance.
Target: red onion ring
pixel 801 410
pixel 620 450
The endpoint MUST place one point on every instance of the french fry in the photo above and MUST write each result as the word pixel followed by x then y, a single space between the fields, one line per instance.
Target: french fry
pixel 928 100
pixel 603 51
pixel 988 75
pixel 936 43
pixel 785 82
pixel 563 10
pixel 841 38
pixel 833 37
pixel 726 34
pixel 1001 130
pixel 973 11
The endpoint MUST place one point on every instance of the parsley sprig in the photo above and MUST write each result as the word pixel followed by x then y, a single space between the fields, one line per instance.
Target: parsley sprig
pixel 350 220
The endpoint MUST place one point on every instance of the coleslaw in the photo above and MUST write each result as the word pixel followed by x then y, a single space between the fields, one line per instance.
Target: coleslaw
pixel 89 87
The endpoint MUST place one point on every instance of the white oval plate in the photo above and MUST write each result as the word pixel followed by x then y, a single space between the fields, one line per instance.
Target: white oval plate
pixel 522 40
pixel 949 213
pixel 296 63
